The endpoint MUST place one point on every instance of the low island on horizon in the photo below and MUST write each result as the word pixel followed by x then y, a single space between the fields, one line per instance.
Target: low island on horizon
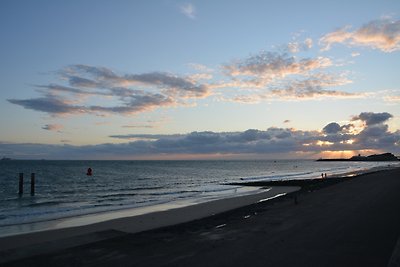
pixel 375 157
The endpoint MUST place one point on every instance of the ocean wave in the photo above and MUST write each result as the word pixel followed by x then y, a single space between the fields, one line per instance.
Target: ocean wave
pixel 169 193
pixel 44 203
pixel 65 191
pixel 120 195
pixel 277 176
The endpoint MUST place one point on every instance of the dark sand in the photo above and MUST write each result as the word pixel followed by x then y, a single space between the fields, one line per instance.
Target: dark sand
pixel 351 223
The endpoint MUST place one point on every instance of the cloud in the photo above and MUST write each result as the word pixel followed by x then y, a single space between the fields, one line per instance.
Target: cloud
pixel 175 85
pixel 381 34
pixel 267 66
pixel 48 104
pixel 96 90
pixel 308 43
pixel 145 136
pixel 82 82
pixel 149 126
pixel 392 99
pixel 377 136
pixel 188 10
pixel 138 102
pixel 371 118
pixel 280 75
pixel 101 91
pixel 314 87
pixel 334 137
pixel 130 93
pixel 374 134
pixel 332 127
pixel 295 47
pixel 105 78
pixel 200 67
pixel 53 127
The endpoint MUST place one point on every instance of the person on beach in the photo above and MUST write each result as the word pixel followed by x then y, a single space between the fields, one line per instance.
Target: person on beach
pixel 89 172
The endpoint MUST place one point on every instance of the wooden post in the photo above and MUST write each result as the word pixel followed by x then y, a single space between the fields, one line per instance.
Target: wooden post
pixel 32 184
pixel 21 184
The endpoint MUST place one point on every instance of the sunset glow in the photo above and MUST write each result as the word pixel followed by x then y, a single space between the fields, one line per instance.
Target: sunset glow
pixel 198 79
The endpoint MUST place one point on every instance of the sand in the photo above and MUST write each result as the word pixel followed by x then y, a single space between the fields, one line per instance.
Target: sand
pixel 79 230
pixel 351 223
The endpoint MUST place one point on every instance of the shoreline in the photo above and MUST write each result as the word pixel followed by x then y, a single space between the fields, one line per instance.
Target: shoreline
pixel 98 217
pixel 307 184
pixel 129 221
pixel 356 217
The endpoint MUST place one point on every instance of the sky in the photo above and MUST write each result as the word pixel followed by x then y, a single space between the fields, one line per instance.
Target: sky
pixel 166 79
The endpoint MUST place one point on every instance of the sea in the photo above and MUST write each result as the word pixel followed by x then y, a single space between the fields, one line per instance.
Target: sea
pixel 63 190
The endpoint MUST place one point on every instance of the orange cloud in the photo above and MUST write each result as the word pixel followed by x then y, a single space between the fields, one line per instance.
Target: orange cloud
pixel 378 34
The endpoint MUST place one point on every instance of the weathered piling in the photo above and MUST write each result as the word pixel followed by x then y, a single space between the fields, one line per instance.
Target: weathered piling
pixel 32 184
pixel 21 184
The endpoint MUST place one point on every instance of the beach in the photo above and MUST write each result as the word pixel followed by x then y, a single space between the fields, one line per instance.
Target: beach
pixel 66 195
pixel 200 133
pixel 351 222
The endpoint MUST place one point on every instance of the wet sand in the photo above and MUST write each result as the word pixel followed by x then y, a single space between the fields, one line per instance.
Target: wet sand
pixel 355 222
pixel 49 236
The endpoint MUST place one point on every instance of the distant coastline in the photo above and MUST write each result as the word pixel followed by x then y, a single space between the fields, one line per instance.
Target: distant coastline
pixel 375 157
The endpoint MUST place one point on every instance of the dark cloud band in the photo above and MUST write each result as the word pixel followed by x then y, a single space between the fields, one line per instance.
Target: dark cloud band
pixel 333 137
